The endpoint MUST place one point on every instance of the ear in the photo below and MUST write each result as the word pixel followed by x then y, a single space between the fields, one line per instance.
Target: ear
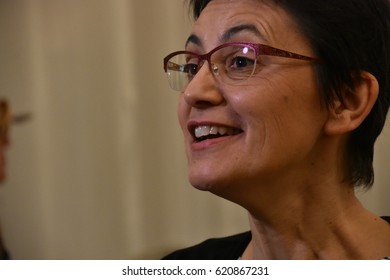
pixel 357 104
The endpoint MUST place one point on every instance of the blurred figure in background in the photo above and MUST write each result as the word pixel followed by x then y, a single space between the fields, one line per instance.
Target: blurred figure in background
pixel 6 119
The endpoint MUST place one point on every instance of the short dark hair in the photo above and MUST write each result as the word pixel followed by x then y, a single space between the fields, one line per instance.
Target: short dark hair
pixel 351 36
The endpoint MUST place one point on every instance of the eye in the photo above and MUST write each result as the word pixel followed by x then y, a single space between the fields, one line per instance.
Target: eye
pixel 190 69
pixel 241 62
pixel 191 66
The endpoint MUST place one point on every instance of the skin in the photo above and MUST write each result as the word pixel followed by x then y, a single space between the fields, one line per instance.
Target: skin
pixel 286 167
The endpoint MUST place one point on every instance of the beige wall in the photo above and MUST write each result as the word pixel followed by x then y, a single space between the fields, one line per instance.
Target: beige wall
pixel 100 172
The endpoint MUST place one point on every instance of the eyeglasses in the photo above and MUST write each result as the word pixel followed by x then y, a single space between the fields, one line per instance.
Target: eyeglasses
pixel 232 63
pixel 6 118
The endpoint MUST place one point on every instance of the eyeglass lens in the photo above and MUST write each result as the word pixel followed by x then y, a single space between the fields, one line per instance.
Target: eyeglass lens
pixel 231 63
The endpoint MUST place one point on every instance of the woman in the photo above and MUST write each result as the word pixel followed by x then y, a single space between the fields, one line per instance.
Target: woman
pixel 280 106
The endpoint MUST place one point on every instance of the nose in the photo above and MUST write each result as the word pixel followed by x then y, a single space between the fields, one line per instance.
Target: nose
pixel 204 91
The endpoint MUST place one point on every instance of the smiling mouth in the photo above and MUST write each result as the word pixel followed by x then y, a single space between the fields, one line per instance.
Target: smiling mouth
pixel 205 132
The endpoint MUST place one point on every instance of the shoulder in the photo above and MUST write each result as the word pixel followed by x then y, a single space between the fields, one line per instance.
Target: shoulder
pixel 226 248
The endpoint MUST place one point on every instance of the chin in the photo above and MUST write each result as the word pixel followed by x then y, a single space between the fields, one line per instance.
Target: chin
pixel 201 183
pixel 208 181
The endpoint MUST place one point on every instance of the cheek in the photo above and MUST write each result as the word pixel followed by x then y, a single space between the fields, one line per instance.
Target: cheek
pixel 182 113
pixel 281 112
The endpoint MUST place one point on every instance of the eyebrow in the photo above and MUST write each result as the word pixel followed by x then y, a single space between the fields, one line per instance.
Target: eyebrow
pixel 228 34
pixel 194 40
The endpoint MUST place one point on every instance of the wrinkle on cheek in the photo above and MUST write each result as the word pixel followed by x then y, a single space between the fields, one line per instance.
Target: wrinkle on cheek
pixel 279 127
pixel 260 83
pixel 281 92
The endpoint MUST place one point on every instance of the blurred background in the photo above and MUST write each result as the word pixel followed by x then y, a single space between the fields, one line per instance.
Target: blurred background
pixel 99 172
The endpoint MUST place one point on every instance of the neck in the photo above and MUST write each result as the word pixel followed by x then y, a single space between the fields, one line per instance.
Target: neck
pixel 318 227
pixel 306 210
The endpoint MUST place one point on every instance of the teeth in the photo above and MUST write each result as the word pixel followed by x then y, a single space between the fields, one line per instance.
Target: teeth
pixel 205 130
pixel 214 130
pixel 202 131
pixel 222 130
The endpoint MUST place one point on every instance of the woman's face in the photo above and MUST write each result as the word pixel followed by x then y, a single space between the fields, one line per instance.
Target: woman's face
pixel 274 120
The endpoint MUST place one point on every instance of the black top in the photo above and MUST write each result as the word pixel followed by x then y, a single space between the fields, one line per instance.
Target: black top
pixel 226 248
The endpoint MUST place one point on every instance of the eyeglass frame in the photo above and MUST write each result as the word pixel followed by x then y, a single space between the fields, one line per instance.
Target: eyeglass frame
pixel 260 49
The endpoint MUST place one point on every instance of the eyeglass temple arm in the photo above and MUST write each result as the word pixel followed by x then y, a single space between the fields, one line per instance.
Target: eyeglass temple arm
pixel 282 53
pixel 177 67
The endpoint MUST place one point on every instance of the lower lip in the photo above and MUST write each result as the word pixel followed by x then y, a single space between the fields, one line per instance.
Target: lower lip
pixel 211 143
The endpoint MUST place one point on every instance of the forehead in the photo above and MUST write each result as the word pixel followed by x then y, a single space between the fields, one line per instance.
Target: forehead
pixel 272 23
